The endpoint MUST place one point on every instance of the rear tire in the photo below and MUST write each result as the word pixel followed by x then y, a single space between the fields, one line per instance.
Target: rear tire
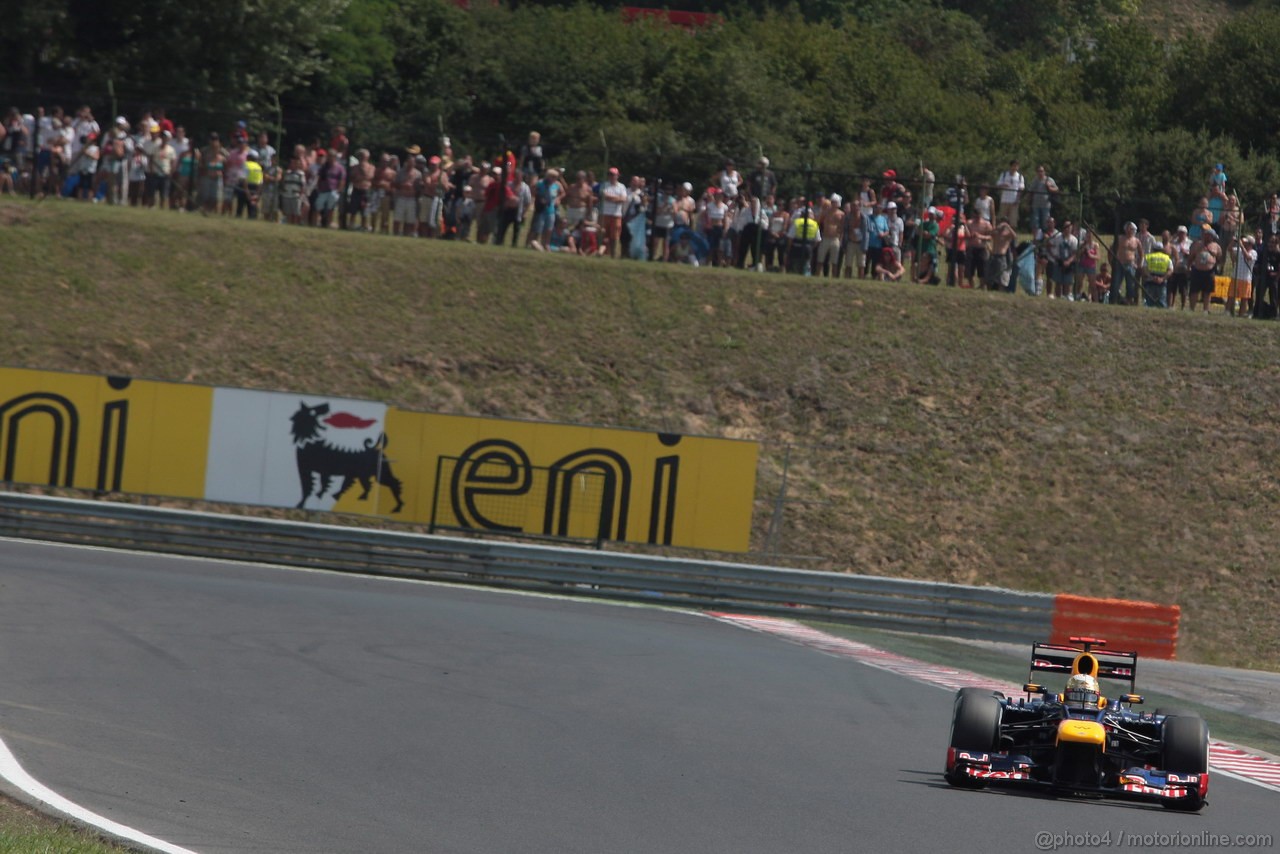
pixel 1185 750
pixel 975 725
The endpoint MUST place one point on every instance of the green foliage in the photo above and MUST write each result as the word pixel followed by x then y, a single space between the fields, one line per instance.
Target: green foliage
pixel 844 86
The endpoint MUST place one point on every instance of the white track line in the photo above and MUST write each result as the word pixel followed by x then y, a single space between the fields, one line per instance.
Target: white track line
pixel 1228 759
pixel 12 771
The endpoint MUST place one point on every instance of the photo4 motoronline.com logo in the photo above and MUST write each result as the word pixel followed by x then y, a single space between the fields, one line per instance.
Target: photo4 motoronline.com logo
pixel 1049 841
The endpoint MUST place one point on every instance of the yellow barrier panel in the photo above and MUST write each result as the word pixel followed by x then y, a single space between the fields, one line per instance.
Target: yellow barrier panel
pixel 355 456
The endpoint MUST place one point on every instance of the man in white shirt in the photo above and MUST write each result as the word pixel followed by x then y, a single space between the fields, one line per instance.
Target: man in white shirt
pixel 613 203
pixel 1011 185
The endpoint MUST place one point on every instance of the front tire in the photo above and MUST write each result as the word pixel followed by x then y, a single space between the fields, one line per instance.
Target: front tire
pixel 975 725
pixel 1185 750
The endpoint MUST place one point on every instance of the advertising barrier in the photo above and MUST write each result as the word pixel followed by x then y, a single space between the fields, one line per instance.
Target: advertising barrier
pixel 320 452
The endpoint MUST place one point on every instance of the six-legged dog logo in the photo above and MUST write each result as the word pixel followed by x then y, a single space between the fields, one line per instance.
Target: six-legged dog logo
pixel 317 457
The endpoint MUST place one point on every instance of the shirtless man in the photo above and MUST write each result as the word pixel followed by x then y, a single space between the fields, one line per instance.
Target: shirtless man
pixel 577 201
pixel 384 181
pixel 831 224
pixel 1205 254
pixel 408 181
pixel 362 175
pixel 1000 262
pixel 1126 257
pixel 979 233
pixel 431 204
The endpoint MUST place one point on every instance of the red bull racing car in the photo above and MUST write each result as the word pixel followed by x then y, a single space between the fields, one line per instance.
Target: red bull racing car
pixel 1079 742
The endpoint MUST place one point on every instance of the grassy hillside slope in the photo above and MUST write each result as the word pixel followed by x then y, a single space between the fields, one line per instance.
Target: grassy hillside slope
pixel 935 433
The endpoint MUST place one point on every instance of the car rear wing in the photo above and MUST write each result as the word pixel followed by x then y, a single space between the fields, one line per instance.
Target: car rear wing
pixel 1058 659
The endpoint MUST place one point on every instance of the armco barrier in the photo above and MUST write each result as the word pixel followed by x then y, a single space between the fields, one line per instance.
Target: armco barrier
pixel 918 606
pixel 1145 628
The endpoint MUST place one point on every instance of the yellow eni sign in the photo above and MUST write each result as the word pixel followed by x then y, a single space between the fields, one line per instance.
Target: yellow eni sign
pixel 279 449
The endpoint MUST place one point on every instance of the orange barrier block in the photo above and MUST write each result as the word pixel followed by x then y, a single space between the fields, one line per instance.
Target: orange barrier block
pixel 1146 628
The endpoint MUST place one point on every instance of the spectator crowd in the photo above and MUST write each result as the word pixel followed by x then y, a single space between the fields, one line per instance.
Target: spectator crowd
pixel 884 229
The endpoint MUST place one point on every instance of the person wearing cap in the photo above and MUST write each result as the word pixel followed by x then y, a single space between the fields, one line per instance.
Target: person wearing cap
pixel 1218 178
pixel 762 183
pixel 1244 255
pixel 685 206
pixel 1126 256
pixel 927 232
pixel 1206 252
pixel 826 260
pixel 1157 266
pixel 1178 248
pixel 891 236
pixel 890 189
pixel 613 203
pixel 547 193
pixel 1010 184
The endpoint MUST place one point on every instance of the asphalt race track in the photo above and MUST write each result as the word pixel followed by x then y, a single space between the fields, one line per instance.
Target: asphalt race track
pixel 232 708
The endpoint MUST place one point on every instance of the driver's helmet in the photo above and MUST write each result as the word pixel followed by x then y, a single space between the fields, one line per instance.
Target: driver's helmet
pixel 1081 692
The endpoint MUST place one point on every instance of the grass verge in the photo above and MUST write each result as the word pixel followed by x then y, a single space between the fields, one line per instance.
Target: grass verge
pixel 25 831
pixel 926 432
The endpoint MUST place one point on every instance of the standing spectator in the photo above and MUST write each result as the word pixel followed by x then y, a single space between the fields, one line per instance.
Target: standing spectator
pixel 1179 250
pixel 266 151
pixel 1218 178
pixel 961 267
pixel 613 203
pixel 116 163
pixel 867 198
pixel 891 236
pixel 271 176
pixel 751 233
pixel 1127 255
pixel 802 237
pixel 233 175
pixel 775 238
pixel 380 199
pixel 250 197
pixel 1000 260
pixel 331 180
pixel 1156 267
pixel 1200 217
pixel 762 183
pixel 831 227
pixel 408 185
pixel 1231 220
pixel 664 219
pixel 1042 190
pixel 875 226
pixel 85 164
pixel 1062 261
pixel 1146 239
pixel 1205 255
pixel 212 160
pixel 636 221
pixel 851 241
pixel 435 184
pixel 727 181
pixel 1243 258
pixel 162 160
pixel 517 200
pixel 927 265
pixel 183 193
pixel 138 144
pixel 362 175
pixel 577 201
pixel 494 193
pixel 979 232
pixel 547 192
pixel 340 144
pixel 714 209
pixel 1010 184
pixel 1086 263
pixel 927 184
pixel 292 188
pixel 957 194
pixel 985 206
pixel 532 163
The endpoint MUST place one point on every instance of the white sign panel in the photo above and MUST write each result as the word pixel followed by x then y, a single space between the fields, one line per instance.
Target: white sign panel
pixel 290 450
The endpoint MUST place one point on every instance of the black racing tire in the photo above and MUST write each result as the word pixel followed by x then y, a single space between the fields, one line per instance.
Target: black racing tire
pixel 1184 741
pixel 975 725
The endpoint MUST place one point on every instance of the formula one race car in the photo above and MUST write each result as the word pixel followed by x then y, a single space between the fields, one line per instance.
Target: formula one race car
pixel 1079 742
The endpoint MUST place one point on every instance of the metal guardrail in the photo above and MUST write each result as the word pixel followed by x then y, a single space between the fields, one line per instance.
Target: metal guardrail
pixel 918 606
